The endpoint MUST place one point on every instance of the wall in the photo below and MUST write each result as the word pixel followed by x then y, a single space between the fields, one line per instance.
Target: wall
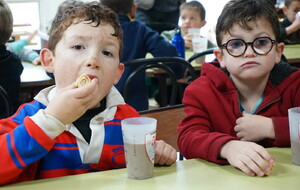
pixel 48 9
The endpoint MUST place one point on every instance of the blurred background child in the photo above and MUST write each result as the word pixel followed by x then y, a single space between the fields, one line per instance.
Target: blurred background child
pixel 290 26
pixel 10 64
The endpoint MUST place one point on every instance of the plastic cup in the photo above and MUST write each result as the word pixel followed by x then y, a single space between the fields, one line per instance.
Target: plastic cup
pixel 199 45
pixel 194 31
pixel 139 134
pixel 294 122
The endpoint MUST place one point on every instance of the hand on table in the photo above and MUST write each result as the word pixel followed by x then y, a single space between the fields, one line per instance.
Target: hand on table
pixel 36 61
pixel 249 157
pixel 164 153
pixel 188 40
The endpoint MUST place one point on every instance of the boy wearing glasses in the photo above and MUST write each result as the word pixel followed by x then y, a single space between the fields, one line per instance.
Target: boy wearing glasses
pixel 233 112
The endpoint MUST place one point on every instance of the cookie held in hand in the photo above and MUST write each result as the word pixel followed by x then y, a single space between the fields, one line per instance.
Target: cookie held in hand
pixel 82 80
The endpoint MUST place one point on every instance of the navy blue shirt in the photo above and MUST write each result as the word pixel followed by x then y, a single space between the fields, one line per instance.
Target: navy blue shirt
pixel 10 77
pixel 138 40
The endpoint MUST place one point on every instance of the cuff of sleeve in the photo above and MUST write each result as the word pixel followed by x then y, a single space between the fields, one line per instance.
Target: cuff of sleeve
pixel 49 124
pixel 32 56
pixel 282 131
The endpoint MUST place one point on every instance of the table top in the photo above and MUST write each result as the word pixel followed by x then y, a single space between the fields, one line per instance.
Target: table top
pixel 34 76
pixel 187 174
pixel 292 53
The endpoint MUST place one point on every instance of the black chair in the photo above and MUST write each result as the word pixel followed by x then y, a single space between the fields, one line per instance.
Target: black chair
pixel 162 73
pixel 200 54
pixel 4 103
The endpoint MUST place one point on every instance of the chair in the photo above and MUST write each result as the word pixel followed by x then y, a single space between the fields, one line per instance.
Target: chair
pixel 162 72
pixel 200 54
pixel 167 121
pixel 4 100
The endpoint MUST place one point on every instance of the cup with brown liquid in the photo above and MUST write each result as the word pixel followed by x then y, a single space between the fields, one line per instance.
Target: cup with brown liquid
pixel 139 134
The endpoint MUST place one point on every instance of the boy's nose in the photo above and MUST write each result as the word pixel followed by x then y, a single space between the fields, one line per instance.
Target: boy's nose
pixel 249 51
pixel 93 62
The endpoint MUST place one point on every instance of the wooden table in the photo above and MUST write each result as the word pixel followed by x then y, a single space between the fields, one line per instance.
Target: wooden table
pixel 191 174
pixel 33 79
pixel 292 54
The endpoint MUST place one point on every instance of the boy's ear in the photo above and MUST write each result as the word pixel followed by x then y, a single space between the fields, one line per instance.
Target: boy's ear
pixel 133 10
pixel 119 73
pixel 47 60
pixel 203 22
pixel 279 52
pixel 219 55
pixel 284 10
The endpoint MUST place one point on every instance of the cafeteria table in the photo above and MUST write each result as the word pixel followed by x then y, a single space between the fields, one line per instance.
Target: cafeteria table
pixel 187 174
pixel 33 79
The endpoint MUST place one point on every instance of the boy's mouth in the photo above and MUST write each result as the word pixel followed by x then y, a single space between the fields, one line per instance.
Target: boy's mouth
pixel 250 63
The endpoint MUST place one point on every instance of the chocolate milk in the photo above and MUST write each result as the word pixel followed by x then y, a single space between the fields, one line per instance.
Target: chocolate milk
pixel 138 163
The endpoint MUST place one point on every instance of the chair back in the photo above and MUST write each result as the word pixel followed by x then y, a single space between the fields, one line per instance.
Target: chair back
pixel 167 121
pixel 200 54
pixel 163 69
pixel 5 103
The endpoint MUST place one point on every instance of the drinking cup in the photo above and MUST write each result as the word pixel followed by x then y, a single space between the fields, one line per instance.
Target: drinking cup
pixel 139 134
pixel 294 122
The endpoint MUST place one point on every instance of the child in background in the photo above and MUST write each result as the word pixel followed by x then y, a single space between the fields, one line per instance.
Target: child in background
pixel 68 129
pixel 233 112
pixel 192 15
pixel 290 26
pixel 25 54
pixel 10 65
pixel 138 41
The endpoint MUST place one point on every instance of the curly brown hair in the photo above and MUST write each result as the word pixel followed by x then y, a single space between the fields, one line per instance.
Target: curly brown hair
pixel 92 12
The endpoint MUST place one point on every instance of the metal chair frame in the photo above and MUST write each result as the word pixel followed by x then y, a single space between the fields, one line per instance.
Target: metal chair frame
pixel 7 104
pixel 157 62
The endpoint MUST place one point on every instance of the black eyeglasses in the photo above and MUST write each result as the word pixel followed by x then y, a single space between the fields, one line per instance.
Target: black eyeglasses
pixel 237 47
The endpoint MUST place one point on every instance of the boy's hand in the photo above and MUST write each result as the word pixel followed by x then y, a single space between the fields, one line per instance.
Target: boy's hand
pixel 294 26
pixel 164 153
pixel 254 127
pixel 70 103
pixel 188 40
pixel 249 157
pixel 36 61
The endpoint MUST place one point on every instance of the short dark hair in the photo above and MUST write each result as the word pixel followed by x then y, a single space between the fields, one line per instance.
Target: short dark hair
pixel 287 3
pixel 243 12
pixel 194 5
pixel 93 12
pixel 6 22
pixel 119 6
pixel 67 3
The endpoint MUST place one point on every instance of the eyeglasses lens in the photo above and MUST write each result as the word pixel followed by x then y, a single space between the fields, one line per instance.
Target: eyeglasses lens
pixel 237 47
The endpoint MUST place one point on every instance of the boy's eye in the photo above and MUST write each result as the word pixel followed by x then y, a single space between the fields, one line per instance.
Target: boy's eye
pixel 78 47
pixel 193 18
pixel 107 53
pixel 260 42
pixel 236 44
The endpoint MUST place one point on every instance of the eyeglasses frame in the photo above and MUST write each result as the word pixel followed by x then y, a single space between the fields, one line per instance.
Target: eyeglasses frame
pixel 248 43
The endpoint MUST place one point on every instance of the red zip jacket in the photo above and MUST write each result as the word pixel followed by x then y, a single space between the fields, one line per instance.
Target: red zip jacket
pixel 212 108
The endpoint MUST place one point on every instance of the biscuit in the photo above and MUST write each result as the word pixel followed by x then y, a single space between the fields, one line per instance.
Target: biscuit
pixel 272 166
pixel 82 80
